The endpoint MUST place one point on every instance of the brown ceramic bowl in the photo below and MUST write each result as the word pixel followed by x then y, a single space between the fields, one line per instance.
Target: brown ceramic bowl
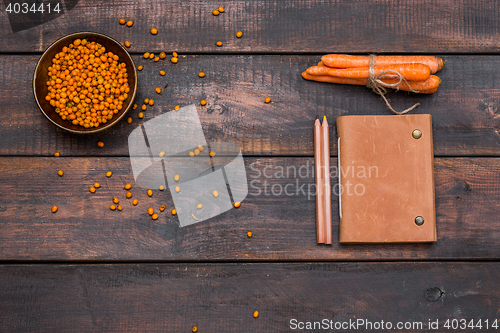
pixel 40 79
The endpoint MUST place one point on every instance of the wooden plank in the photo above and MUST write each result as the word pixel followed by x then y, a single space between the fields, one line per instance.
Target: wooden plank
pixel 223 297
pixel 283 26
pixel 279 210
pixel 465 110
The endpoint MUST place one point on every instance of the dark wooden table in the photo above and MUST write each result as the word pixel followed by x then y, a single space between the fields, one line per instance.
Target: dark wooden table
pixel 89 269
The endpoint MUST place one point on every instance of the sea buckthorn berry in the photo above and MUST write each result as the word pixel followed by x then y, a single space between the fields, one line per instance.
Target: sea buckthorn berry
pixel 191 153
pixel 112 207
pixel 162 208
pixel 177 107
pixel 129 120
pixel 122 21
pixel 139 67
pixel 200 147
pixel 197 151
pixel 201 74
pixel 176 178
pixel 161 154
pixel 203 102
pixel 199 206
pixel 150 193
pixel 177 189
pixel 92 189
pixel 195 329
pixel 151 55
pixel 127 43
pixel 154 31
pixel 157 59
pixel 174 60
pixel 146 55
pixel 174 54
pixel 130 23
pixel 174 211
pixel 239 34
pixel 215 12
pixel 54 209
pixel 150 211
pixel 249 234
pixel 215 193
pixel 57 154
pixel 154 216
pixel 267 100
pixel 212 154
pixel 109 174
pixel 134 107
pixel 221 9
pixel 119 207
pixel 97 185
pixel 162 73
pixel 60 173
pixel 158 90
pixel 143 107
pixel 141 115
pixel 219 43
pixel 128 195
pixel 146 100
pixel 135 202
pixel 100 144
pixel 128 186
pixel 115 200
pixel 161 187
pixel 151 102
pixel 256 314
pixel 237 204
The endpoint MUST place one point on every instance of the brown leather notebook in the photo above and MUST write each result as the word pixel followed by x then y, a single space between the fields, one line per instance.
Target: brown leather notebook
pixel 386 178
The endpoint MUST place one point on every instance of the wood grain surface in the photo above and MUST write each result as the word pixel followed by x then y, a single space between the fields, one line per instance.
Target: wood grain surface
pixel 465 110
pixel 270 27
pixel 279 210
pixel 223 297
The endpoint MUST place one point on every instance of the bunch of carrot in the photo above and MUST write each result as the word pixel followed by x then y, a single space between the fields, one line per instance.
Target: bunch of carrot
pixel 417 71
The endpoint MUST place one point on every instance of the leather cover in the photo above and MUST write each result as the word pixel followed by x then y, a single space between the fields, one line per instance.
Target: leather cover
pixel 386 179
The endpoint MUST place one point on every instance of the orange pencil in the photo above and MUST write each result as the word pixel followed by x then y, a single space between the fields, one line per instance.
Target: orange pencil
pixel 320 211
pixel 327 190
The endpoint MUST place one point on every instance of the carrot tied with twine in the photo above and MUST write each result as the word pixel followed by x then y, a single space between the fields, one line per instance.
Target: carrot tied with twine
pixel 378 86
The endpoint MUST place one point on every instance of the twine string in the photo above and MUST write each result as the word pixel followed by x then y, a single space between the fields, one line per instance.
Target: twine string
pixel 379 87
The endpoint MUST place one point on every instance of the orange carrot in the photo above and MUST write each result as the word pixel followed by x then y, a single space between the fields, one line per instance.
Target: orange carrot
pixel 414 72
pixel 424 87
pixel 349 61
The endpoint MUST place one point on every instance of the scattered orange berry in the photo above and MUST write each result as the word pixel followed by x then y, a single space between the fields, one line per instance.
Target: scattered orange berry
pixel 151 102
pixel 201 74
pixel 203 102
pixel 221 9
pixel 249 234
pixel 135 202
pixel 54 209
pixel 115 200
pixel 163 55
pixel 56 154
pixel 174 54
pixel 130 23
pixel 157 59
pixel 129 120
pixel 161 187
pixel 215 12
pixel 128 195
pixel 150 211
pixel 112 207
pixel 92 189
pixel 146 55
pixel 127 43
pixel 237 204
pixel 60 173
pixel 256 314
pixel 154 31
pixel 140 115
pixel 162 208
pixel 174 60
pixel 162 73
pixel 215 193
pixel 200 147
pixel 134 107
pixel 109 174
pixel 195 329
pixel 154 216
pixel 119 207
pixel 143 107
pixel 174 211
pixel 128 186
pixel 177 189
pixel 139 67
pixel 268 100
pixel 212 154
pixel 150 193
pixel 219 43
pixel 199 206
pixel 176 178
pixel 158 90
pixel 239 34
pixel 197 151
pixel 100 144
pixel 122 21
pixel 97 185
pixel 151 55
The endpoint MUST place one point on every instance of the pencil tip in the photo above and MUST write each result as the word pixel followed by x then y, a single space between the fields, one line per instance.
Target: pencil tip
pixel 324 117
pixel 317 117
